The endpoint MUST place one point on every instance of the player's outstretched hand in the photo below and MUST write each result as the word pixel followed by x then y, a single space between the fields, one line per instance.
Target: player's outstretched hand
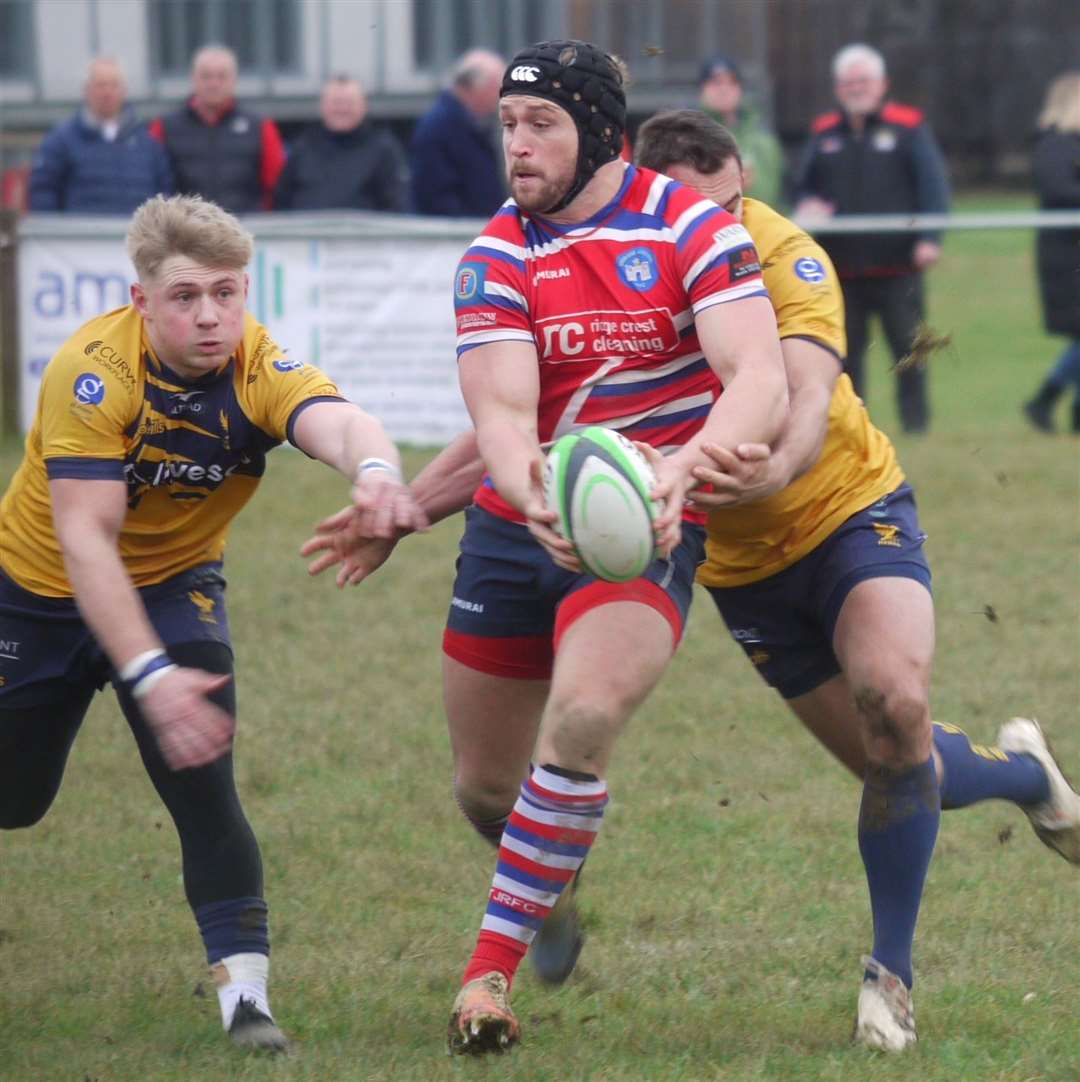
pixel 541 522
pixel 386 505
pixel 339 539
pixel 740 476
pixel 189 728
pixel 672 484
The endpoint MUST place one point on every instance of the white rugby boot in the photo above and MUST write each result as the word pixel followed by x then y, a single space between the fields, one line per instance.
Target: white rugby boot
pixel 1056 821
pixel 886 1016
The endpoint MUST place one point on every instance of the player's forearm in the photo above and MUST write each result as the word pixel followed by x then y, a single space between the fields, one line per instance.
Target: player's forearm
pixel 752 409
pixel 343 435
pixel 508 449
pixel 447 483
pixel 800 443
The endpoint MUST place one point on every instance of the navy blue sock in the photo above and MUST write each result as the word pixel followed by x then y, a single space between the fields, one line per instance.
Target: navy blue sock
pixel 898 825
pixel 976 772
pixel 233 926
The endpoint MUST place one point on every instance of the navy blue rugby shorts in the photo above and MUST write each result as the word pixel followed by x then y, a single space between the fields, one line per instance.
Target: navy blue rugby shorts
pixel 511 602
pixel 785 623
pixel 46 649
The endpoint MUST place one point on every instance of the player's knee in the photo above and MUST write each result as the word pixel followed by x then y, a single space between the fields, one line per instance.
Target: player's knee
pixel 896 721
pixel 485 798
pixel 578 734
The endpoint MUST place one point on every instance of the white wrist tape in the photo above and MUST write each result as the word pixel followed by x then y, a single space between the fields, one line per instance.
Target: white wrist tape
pixel 369 464
pixel 139 662
pixel 143 685
pixel 144 670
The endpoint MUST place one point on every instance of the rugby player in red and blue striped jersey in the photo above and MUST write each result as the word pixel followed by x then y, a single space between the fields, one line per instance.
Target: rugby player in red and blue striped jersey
pixel 599 293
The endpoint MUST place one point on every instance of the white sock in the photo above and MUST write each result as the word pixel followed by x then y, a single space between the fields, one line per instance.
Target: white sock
pixel 241 976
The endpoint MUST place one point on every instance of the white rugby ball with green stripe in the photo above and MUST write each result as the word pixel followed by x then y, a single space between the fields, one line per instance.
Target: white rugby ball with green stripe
pixel 598 483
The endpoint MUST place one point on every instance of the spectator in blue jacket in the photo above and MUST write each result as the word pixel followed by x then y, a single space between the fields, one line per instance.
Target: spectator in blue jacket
pixel 456 168
pixel 101 160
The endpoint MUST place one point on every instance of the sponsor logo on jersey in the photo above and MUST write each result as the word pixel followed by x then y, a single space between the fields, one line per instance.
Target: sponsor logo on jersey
pixel 108 358
pixel 471 320
pixel 169 471
pixel 469 282
pixel 185 402
pixel 9 649
pixel 729 233
pixel 545 275
pixel 637 268
pixel 588 335
pixel 742 263
pixel 525 73
pixel 759 657
pixel 887 534
pixel 746 635
pixel 288 365
pixel 89 389
pixel 809 269
pixel 884 140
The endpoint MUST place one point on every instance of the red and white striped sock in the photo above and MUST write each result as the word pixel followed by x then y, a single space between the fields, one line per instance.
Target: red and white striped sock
pixel 551 828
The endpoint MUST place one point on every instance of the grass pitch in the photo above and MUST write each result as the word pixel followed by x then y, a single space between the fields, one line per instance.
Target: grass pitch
pixel 725 906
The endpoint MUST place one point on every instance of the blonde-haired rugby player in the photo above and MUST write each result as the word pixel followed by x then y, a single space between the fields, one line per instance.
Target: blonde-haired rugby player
pixel 151 433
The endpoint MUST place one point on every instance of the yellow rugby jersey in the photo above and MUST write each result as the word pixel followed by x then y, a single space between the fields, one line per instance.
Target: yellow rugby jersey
pixel 857 465
pixel 190 451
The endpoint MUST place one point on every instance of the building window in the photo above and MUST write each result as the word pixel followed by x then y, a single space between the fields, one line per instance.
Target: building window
pixel 16 39
pixel 443 29
pixel 264 34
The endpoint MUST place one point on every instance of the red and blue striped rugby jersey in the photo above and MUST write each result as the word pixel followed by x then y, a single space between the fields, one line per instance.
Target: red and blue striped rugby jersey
pixel 610 304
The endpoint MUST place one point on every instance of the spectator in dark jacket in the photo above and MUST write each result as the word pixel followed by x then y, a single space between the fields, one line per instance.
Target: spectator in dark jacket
pixel 874 156
pixel 1057 180
pixel 218 150
pixel 344 162
pixel 101 160
pixel 455 166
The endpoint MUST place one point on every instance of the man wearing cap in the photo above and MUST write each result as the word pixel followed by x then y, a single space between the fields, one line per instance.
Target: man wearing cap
pixel 721 97
pixel 600 294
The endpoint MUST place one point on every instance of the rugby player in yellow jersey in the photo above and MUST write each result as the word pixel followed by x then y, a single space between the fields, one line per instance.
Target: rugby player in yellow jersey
pixel 814 557
pixel 152 430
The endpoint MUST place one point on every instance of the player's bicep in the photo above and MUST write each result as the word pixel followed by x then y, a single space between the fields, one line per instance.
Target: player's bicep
pixel 812 370
pixel 86 510
pixel 499 381
pixel 738 334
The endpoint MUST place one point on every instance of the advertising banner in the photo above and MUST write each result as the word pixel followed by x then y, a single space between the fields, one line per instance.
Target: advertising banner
pixel 375 312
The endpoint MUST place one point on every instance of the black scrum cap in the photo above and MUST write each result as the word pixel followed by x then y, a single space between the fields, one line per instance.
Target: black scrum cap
pixel 587 83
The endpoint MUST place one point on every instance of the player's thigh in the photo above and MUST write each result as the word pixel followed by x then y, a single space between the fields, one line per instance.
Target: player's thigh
pixel 607 662
pixel 884 636
pixel 613 642
pixel 492 721
pixel 35 741
pixel 50 669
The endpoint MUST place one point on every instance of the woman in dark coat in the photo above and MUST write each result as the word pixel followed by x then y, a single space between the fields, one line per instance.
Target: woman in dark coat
pixel 1057 179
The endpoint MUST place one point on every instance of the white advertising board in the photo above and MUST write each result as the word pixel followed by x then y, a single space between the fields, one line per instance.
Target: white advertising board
pixel 374 312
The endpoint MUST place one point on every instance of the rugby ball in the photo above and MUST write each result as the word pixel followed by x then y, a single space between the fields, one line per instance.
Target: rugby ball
pixel 598 483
